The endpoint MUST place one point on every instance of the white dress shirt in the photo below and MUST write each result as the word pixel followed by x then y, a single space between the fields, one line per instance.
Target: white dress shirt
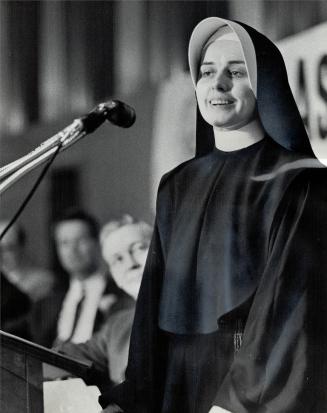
pixel 91 291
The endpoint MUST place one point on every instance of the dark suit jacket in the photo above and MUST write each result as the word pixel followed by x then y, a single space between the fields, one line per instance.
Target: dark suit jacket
pixel 107 349
pixel 45 313
pixel 15 307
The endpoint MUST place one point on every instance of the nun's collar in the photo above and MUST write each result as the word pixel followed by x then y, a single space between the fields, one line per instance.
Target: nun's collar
pixel 231 140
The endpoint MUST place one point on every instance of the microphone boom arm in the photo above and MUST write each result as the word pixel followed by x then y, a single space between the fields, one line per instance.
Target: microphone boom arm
pixel 41 154
pixel 60 138
pixel 115 111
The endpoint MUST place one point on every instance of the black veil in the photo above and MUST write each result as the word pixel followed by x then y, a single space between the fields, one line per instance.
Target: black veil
pixel 277 109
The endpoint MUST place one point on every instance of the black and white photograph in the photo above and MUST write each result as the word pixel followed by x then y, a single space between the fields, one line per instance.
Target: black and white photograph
pixel 163 206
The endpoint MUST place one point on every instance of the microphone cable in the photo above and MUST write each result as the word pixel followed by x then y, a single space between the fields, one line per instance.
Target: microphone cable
pixel 31 192
pixel 115 111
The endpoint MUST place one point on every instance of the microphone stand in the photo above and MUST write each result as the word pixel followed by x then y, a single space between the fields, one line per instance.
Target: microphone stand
pixel 116 112
pixel 15 170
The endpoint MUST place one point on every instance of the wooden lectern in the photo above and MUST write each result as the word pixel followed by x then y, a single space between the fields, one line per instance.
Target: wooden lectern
pixel 21 373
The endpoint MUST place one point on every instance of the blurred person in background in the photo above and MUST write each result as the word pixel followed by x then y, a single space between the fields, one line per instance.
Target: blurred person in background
pixel 91 292
pixel 124 244
pixel 24 286
pixel 31 279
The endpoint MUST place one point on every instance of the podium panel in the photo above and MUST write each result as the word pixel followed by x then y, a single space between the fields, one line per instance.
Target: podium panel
pixel 21 383
pixel 22 373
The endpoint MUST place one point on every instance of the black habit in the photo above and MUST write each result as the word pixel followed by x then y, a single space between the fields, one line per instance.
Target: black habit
pixel 232 306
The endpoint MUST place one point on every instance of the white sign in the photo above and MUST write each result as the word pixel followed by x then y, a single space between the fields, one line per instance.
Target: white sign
pixel 305 55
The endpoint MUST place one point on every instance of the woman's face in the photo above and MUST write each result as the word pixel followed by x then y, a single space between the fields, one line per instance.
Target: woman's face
pixel 223 90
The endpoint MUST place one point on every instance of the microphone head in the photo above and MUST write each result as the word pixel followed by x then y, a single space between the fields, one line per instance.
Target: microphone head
pixel 120 113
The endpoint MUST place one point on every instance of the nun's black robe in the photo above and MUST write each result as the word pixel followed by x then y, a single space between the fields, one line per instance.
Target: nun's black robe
pixel 238 256
pixel 233 302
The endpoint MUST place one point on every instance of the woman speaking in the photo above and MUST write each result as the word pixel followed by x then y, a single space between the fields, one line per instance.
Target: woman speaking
pixel 231 315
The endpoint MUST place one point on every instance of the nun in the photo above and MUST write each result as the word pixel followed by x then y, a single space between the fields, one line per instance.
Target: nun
pixel 231 315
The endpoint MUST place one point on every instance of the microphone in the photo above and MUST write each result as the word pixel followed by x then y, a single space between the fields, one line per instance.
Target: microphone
pixel 114 111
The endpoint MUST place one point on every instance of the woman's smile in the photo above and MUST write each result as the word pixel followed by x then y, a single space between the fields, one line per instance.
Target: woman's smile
pixel 220 102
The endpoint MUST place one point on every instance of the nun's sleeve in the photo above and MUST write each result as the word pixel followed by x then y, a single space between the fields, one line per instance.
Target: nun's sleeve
pixel 281 366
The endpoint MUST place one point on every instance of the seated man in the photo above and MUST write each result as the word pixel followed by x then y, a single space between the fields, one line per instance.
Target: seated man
pixel 34 281
pixel 24 287
pixel 91 293
pixel 124 246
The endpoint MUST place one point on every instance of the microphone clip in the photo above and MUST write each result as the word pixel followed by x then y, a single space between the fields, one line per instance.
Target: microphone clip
pixel 115 111
pixel 95 118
